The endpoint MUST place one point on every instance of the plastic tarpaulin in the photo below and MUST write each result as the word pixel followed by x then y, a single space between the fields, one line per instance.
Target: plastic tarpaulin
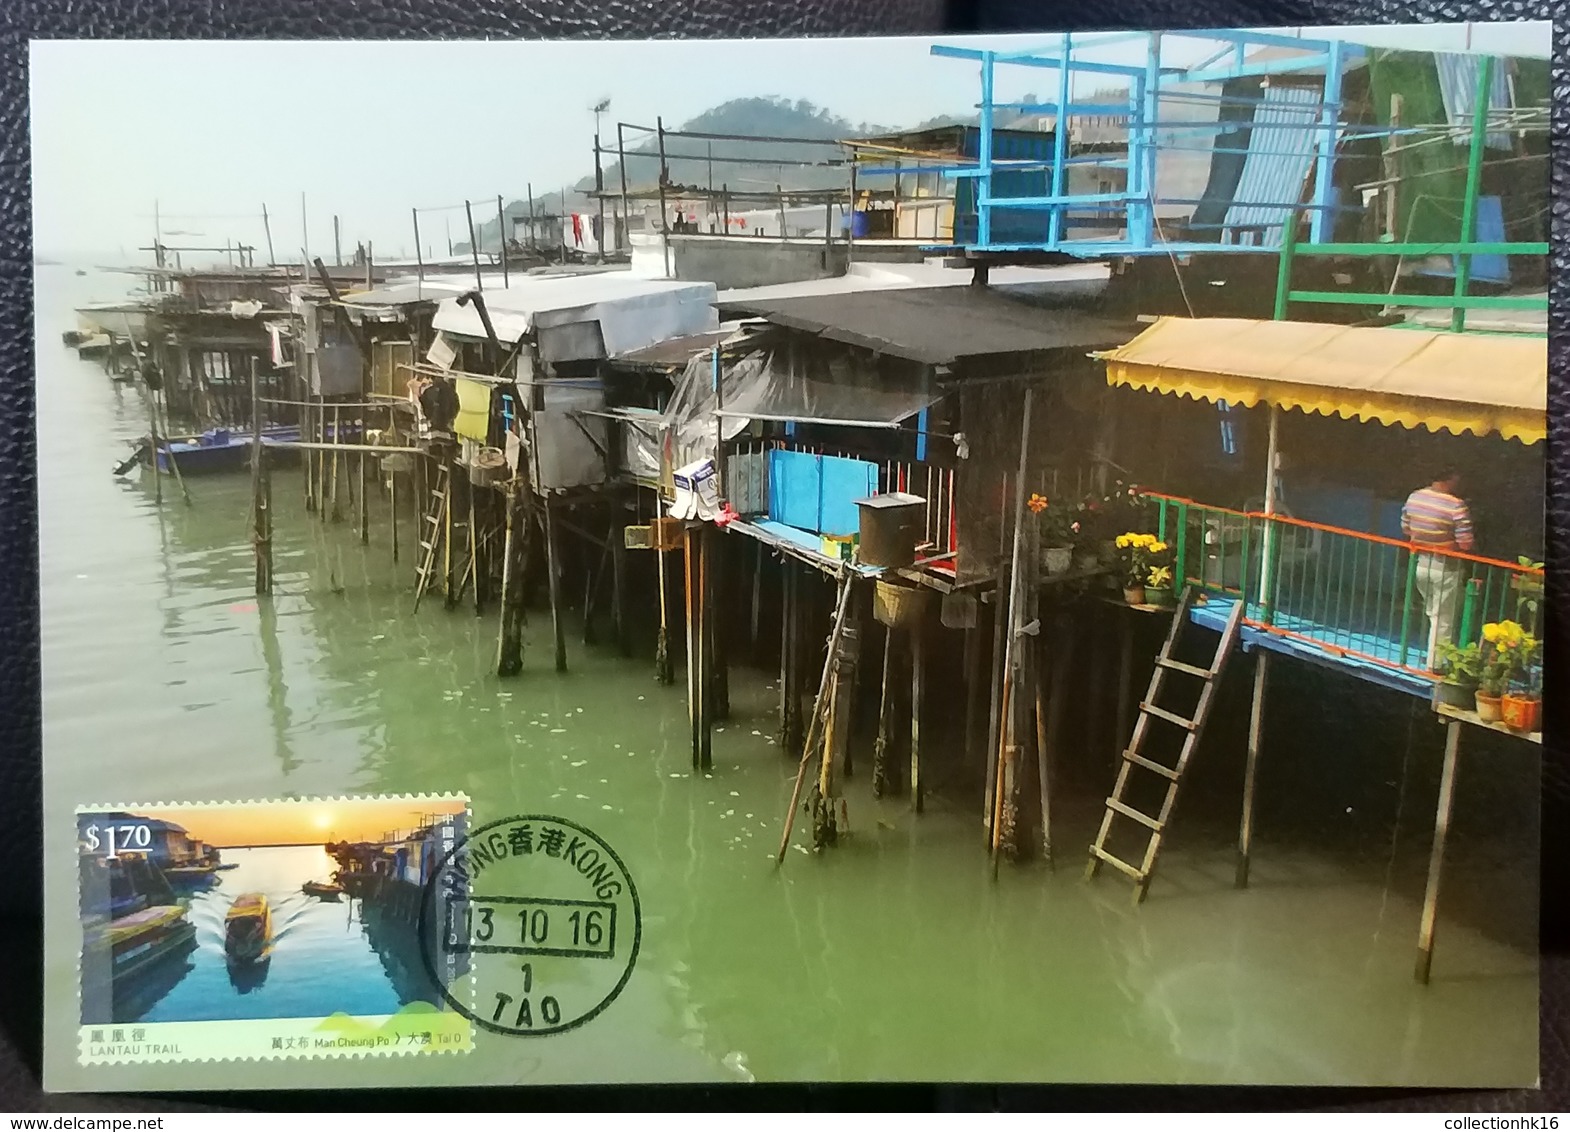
pixel 824 387
pixel 1441 381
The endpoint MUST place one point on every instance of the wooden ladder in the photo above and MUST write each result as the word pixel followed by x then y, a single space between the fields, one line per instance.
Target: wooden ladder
pixel 433 533
pixel 1134 757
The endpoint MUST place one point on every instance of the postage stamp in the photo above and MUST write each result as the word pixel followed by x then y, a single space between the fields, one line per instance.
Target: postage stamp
pixel 547 914
pixel 267 929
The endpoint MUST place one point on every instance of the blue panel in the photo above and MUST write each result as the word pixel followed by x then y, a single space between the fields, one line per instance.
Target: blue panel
pixel 844 482
pixel 794 481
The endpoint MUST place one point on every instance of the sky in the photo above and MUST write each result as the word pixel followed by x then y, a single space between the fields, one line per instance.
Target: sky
pixel 303 823
pixel 209 133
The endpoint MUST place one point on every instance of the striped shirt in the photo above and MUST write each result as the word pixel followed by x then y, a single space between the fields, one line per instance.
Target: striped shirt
pixel 1436 518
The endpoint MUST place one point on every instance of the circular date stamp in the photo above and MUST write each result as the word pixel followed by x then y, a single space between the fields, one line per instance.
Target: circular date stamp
pixel 540 915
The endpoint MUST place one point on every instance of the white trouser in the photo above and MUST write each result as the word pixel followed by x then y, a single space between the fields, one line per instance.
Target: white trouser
pixel 1439 581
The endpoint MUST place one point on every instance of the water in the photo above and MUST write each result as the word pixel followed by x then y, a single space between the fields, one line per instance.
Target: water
pixel 326 955
pixel 895 957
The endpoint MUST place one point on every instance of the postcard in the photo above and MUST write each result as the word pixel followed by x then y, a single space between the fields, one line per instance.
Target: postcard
pixel 980 559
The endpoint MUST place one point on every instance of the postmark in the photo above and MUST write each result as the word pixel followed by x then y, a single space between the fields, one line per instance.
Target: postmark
pixel 547 916
pixel 264 929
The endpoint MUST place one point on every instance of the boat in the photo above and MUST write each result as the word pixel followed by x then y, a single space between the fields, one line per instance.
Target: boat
pixel 227 450
pixel 190 875
pixel 248 929
pixel 139 939
pixel 223 868
pixel 322 889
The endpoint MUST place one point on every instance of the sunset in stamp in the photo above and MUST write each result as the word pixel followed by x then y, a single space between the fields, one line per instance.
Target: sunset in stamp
pixel 254 930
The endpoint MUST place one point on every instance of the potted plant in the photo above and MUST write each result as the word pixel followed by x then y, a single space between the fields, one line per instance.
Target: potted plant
pixel 1054 534
pixel 1515 652
pixel 1462 666
pixel 1135 551
pixel 1494 676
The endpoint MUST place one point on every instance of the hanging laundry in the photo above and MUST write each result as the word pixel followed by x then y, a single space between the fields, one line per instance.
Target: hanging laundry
pixel 577 229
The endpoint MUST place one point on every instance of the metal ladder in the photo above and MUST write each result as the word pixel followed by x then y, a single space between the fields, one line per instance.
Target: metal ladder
pixel 1134 757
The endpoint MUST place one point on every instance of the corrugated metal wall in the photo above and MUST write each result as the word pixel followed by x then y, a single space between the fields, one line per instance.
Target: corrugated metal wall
pixel 1281 152
pixel 1458 88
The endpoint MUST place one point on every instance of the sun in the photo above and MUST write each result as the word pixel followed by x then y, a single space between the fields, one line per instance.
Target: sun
pixel 323 820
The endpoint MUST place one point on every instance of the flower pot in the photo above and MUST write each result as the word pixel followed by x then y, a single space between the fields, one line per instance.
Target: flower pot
pixel 1487 707
pixel 1463 696
pixel 1520 713
pixel 1134 595
pixel 1159 596
pixel 1057 560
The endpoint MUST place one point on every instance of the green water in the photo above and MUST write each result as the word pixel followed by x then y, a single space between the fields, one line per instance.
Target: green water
pixel 894 957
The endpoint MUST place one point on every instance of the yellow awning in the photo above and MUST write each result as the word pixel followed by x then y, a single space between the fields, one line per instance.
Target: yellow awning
pixel 1477 383
pixel 474 409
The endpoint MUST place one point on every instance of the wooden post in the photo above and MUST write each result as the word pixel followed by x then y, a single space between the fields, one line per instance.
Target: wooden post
pixel 881 783
pixel 392 512
pixel 152 436
pixel 261 536
pixel 918 678
pixel 553 570
pixel 995 668
pixel 665 220
pixel 365 494
pixel 1125 681
pixel 790 722
pixel 715 645
pixel 501 223
pixel 1256 722
pixel 621 167
pixel 474 247
pixel 1011 663
pixel 619 577
pixel 1436 856
pixel 509 652
pixel 757 594
pixel 664 671
pixel 695 688
pixel 820 705
pixel 705 637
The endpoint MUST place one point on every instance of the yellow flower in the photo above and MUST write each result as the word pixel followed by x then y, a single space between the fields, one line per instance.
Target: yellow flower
pixel 1160 576
pixel 1158 547
pixel 1124 541
pixel 1491 632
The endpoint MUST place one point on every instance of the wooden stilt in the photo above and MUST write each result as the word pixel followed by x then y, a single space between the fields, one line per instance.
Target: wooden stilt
pixel 918 678
pixel 716 659
pixel 509 651
pixel 261 536
pixel 973 684
pixel 553 579
pixel 694 659
pixel 1125 681
pixel 1256 722
pixel 365 495
pixel 1008 755
pixel 757 595
pixel 1436 856
pixel 820 707
pixel 1057 702
pixel 787 643
pixel 664 670
pixel 705 637
pixel 308 459
pixel 619 584
pixel 152 433
pixel 474 554
pixel 392 513
pixel 1043 762
pixel 995 681
pixel 881 779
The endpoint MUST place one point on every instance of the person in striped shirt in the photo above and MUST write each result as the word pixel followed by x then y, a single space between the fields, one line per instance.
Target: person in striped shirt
pixel 1436 518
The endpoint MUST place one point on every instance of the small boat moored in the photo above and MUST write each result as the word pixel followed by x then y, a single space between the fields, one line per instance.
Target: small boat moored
pixel 322 889
pixel 248 929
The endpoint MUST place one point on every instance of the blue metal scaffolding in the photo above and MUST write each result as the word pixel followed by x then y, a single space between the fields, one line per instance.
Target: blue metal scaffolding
pixel 1294 135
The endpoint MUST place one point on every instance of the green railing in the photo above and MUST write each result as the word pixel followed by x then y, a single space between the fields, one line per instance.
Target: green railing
pixel 1348 592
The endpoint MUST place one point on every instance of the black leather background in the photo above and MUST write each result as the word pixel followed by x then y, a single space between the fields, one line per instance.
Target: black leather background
pixel 20 835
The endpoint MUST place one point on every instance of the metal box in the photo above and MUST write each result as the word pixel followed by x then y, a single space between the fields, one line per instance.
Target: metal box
pixel 891 526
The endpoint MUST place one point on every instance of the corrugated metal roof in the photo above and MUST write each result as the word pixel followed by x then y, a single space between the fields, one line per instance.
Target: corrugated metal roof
pixel 1458 88
pixel 1281 150
pixel 938 325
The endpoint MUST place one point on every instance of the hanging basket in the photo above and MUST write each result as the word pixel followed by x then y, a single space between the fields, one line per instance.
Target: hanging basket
pixel 489 467
pixel 398 462
pixel 896 606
